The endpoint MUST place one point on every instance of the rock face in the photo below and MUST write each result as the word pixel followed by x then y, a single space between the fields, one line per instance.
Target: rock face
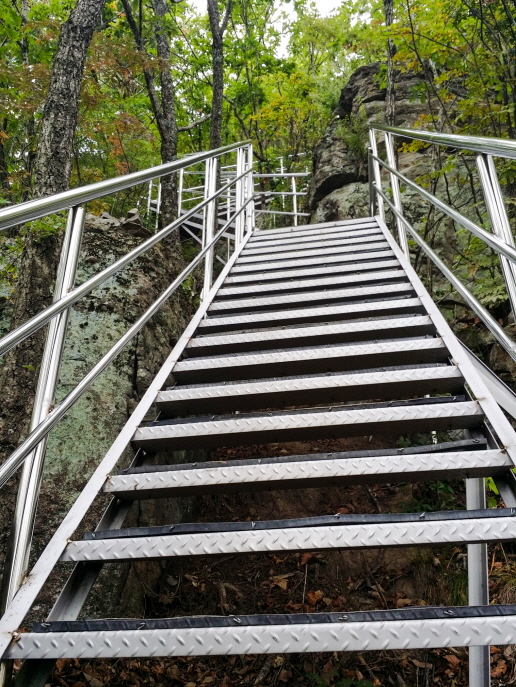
pixel 339 190
pixel 337 164
pixel 97 321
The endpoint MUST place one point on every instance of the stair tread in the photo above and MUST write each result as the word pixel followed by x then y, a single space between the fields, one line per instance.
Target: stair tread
pixel 406 629
pixel 257 620
pixel 336 520
pixel 251 428
pixel 264 234
pixel 275 338
pixel 307 297
pixel 369 308
pixel 377 274
pixel 327 388
pixel 320 248
pixel 323 235
pixel 308 471
pixel 374 261
pixel 458 446
pixel 458 528
pixel 379 249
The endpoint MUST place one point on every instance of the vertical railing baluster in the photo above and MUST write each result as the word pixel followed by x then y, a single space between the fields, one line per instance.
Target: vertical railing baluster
pixel 239 198
pixel 158 204
pixel 180 191
pixel 478 585
pixel 396 195
pixel 249 211
pixel 31 476
pixel 210 185
pixel 294 200
pixel 499 220
pixel 377 172
pixel 370 178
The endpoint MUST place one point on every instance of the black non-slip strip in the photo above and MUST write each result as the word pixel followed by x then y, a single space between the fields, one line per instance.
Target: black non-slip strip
pixel 477 444
pixel 314 411
pixel 317 521
pixel 191 622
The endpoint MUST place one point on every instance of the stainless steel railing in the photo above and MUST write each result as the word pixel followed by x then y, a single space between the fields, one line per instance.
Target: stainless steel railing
pixel 31 452
pixel 500 239
pixel 294 194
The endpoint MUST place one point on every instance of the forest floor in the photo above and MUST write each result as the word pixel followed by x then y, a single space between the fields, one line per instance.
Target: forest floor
pixel 313 582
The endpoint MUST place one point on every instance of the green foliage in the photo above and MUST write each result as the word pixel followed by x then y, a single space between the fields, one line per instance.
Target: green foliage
pixel 355 133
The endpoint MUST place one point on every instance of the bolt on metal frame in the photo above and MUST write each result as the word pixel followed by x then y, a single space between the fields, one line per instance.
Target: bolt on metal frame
pixel 502 242
pixel 31 452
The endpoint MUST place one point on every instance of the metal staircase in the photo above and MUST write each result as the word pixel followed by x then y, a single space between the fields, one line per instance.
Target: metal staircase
pixel 310 332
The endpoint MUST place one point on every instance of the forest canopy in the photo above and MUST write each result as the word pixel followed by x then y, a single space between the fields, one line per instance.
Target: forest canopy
pixel 284 66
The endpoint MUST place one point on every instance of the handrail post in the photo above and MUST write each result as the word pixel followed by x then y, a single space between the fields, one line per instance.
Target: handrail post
pixel 377 172
pixel 478 585
pixel 396 195
pixel 294 200
pixel 158 203
pixel 30 481
pixel 499 220
pixel 149 198
pixel 180 191
pixel 239 198
pixel 370 175
pixel 210 184
pixel 249 211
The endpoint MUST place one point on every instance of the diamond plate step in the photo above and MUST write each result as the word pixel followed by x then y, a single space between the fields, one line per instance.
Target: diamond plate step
pixel 316 335
pixel 321 238
pixel 375 275
pixel 484 516
pixel 321 359
pixel 337 245
pixel 330 313
pixel 411 628
pixel 379 249
pixel 374 262
pixel 319 390
pixel 236 430
pixel 309 471
pixel 451 527
pixel 307 229
pixel 311 298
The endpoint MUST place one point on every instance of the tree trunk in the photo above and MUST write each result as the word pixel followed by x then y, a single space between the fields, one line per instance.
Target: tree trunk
pixel 217 57
pixel 168 124
pixel 390 100
pixel 164 110
pixel 40 256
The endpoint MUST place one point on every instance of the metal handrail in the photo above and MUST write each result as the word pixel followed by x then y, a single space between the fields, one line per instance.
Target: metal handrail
pixel 499 147
pixel 23 331
pixel 9 467
pixel 493 241
pixel 33 209
pixel 501 240
pixel 490 322
pixel 31 452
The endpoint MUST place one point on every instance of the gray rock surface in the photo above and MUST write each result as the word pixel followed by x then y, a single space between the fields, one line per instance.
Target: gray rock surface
pixel 79 442
pixel 339 190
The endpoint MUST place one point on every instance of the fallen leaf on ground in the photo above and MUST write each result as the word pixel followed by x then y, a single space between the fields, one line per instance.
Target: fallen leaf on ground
pixel 314 597
pixel 305 558
pixel 401 603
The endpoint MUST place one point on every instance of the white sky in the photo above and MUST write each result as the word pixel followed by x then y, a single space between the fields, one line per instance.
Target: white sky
pixel 324 6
